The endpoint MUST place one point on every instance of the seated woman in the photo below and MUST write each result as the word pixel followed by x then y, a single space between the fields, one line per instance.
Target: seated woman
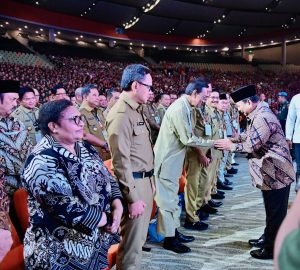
pixel 74 203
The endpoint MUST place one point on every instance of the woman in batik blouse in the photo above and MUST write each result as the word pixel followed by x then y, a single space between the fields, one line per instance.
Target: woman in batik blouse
pixel 74 203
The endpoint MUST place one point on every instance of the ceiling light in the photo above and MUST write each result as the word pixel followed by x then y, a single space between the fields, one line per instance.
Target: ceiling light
pixel 154 46
pixel 76 38
pixel 223 16
pixel 36 32
pixel 95 41
pixel 206 50
pixel 261 43
pixel 55 35
pixel 58 32
pixel 25 26
pixel 36 2
pixel 225 49
pixel 215 22
pixel 130 48
pixel 1 25
pixel 177 48
pixel 216 50
pixel 41 29
pixel 81 15
pixel 6 22
pixel 250 45
pixel 165 47
pixel 99 39
pixel 219 20
pixel 142 45
pixel 187 49
pixel 130 43
pixel 81 36
pixel 89 8
pixel 20 29
pixel 272 41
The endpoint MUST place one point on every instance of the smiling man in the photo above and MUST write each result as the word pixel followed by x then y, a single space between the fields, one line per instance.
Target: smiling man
pixel 270 163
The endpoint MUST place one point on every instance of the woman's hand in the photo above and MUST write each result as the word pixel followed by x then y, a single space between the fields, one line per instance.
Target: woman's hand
pixel 5 243
pixel 103 220
pixel 116 216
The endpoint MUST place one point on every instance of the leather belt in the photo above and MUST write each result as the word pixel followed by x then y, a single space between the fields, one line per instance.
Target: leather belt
pixel 141 175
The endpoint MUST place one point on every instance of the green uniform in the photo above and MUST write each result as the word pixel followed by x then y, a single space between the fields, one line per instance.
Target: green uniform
pixel 197 182
pixel 176 133
pixel 29 119
pixel 94 123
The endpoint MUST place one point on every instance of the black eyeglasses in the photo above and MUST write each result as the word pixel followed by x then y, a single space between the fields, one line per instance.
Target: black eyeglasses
pixel 150 87
pixel 76 119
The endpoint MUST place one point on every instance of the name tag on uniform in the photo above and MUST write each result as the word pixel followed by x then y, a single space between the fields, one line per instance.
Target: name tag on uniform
pixel 208 131
pixel 105 134
pixel 157 119
pixel 38 136
pixel 220 134
pixel 140 123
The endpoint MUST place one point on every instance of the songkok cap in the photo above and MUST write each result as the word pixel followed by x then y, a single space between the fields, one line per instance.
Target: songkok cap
pixel 243 93
pixel 9 86
pixel 282 94
pixel 223 96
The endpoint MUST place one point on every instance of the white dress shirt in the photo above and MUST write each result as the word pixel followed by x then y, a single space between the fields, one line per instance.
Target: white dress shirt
pixel 292 127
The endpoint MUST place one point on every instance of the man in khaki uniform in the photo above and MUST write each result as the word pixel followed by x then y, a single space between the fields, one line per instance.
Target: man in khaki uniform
pixel 176 133
pixel 78 97
pixel 94 123
pixel 132 158
pixel 197 167
pixel 153 118
pixel 164 102
pixel 112 96
pixel 28 114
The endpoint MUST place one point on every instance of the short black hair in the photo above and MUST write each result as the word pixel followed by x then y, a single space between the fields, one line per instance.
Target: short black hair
pixel 24 90
pixel 51 112
pixel 197 84
pixel 109 92
pixel 54 89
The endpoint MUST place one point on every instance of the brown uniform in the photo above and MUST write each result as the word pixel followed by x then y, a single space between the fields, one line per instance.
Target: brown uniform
pixel 94 123
pixel 132 156
pixel 161 111
pixel 154 120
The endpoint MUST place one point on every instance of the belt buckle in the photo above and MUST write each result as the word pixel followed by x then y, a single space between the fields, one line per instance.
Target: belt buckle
pixel 143 174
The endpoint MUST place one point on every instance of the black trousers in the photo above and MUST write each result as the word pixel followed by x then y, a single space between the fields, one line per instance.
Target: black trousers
pixel 276 203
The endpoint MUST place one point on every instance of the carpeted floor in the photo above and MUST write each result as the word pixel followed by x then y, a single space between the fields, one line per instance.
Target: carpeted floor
pixel 224 245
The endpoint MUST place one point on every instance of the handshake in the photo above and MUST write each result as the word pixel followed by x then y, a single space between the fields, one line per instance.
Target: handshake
pixel 223 144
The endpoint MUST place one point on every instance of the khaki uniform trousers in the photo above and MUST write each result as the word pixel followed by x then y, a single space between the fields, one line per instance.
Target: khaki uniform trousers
pixel 212 176
pixel 134 231
pixel 197 185
pixel 168 219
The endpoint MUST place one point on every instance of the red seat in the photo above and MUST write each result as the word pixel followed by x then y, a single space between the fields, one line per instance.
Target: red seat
pixel 21 207
pixel 182 181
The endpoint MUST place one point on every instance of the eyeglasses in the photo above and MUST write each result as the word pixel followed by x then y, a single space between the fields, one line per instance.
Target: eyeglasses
pixel 76 119
pixel 150 87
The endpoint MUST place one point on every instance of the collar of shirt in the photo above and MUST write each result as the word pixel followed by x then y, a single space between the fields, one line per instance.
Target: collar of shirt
pixel 87 107
pixel 26 110
pixel 133 104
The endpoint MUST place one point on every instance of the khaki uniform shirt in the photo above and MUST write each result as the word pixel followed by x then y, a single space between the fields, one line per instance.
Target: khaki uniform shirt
pixel 130 143
pixel 154 120
pixel 94 123
pixel 176 133
pixel 30 119
pixel 161 111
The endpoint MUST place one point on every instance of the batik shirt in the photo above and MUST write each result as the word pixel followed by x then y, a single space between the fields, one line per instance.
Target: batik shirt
pixel 67 196
pixel 270 161
pixel 15 145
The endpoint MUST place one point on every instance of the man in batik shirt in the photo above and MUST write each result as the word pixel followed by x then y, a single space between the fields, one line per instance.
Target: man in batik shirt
pixel 270 163
pixel 14 139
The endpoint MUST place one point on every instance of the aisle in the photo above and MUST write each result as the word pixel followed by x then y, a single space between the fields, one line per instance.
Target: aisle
pixel 224 245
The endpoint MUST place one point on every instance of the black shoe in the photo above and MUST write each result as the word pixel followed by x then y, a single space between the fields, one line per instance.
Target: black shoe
pixel 183 238
pixel 218 196
pixel 222 186
pixel 208 209
pixel 228 175
pixel 261 254
pixel 202 215
pixel 197 226
pixel 259 243
pixel 232 171
pixel 213 203
pixel 221 192
pixel 171 243
pixel 227 182
pixel 235 164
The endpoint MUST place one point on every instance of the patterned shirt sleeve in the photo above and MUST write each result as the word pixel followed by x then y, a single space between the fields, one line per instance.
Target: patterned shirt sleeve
pixel 259 134
pixel 4 202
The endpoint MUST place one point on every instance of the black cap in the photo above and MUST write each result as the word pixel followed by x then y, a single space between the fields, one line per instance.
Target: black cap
pixel 9 86
pixel 223 96
pixel 243 93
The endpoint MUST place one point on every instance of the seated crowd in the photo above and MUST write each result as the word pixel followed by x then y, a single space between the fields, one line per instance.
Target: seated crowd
pixel 154 128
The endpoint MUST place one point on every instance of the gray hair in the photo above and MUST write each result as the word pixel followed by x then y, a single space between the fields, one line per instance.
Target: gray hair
pixel 134 72
pixel 78 91
pixel 87 89
pixel 197 84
